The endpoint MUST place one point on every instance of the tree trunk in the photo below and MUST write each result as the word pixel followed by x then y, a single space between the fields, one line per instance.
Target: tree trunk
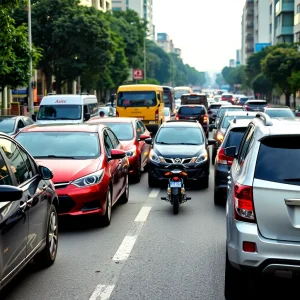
pixel 295 96
pixel 48 82
pixel 287 99
pixel 58 82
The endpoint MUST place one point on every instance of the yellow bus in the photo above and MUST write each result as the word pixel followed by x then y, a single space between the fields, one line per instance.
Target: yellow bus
pixel 142 101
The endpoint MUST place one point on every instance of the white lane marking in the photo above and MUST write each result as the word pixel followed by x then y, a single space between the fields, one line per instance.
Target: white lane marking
pixel 154 193
pixel 125 248
pixel 102 292
pixel 143 214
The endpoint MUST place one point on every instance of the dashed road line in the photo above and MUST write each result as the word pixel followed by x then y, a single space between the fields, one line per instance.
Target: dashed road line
pixel 154 193
pixel 102 292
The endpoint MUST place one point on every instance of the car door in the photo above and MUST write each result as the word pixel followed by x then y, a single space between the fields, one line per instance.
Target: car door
pixel 13 216
pixel 37 204
pixel 113 165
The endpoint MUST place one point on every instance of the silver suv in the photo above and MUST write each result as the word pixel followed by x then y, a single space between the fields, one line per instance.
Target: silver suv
pixel 263 202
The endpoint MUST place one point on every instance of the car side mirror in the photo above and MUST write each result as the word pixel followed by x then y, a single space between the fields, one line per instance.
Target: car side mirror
pixel 45 173
pixel 10 193
pixel 148 141
pixel 33 117
pixel 211 142
pixel 230 152
pixel 87 116
pixel 144 137
pixel 117 154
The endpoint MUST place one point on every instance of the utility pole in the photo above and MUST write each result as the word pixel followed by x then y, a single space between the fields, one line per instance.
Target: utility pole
pixel 30 94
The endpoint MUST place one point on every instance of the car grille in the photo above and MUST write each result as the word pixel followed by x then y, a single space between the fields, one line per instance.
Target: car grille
pixel 177 160
pixel 66 203
pixel 61 185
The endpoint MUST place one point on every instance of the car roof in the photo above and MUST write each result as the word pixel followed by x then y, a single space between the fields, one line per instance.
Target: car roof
pixel 284 126
pixel 240 113
pixel 239 123
pixel 181 124
pixel 231 106
pixel 256 100
pixel 277 108
pixel 10 117
pixel 63 128
pixel 193 105
pixel 112 120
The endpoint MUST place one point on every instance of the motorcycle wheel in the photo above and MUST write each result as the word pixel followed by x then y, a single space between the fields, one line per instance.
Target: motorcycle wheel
pixel 175 201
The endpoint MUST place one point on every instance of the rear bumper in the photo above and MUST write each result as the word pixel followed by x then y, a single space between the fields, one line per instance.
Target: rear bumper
pixel 270 255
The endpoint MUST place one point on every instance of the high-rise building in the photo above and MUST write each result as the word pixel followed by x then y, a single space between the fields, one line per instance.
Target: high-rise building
pixel 165 42
pixel 297 22
pixel 261 22
pixel 238 57
pixel 232 63
pixel 281 21
pixel 104 5
pixel 144 8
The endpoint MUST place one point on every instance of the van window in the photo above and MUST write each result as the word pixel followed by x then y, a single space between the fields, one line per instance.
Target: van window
pixel 137 99
pixel 93 109
pixel 60 112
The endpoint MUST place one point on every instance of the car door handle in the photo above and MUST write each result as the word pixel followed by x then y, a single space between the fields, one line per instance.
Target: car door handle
pixel 292 202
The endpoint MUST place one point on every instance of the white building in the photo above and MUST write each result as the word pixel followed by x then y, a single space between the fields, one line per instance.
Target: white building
pixel 104 5
pixel 232 63
pixel 238 57
pixel 297 22
pixel 261 22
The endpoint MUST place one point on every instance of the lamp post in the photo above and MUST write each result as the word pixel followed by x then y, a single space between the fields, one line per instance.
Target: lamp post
pixel 30 94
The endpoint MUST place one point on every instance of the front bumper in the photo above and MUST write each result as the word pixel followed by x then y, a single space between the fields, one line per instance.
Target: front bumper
pixel 74 201
pixel 270 255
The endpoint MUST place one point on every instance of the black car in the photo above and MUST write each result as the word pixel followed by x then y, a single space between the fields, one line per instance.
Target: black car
pixel 194 112
pixel 256 105
pixel 180 142
pixel 223 163
pixel 12 124
pixel 28 211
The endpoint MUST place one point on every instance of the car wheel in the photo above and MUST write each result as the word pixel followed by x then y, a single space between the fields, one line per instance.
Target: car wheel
pixel 136 178
pixel 106 219
pixel 151 182
pixel 125 197
pixel 47 256
pixel 217 197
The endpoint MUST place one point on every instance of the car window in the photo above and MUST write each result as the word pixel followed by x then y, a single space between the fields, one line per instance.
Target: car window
pixel 215 106
pixel 107 143
pixel 28 121
pixel 139 129
pixel 280 113
pixel 4 173
pixel 20 124
pixel 285 151
pixel 245 145
pixel 28 162
pixel 234 137
pixel 93 109
pixel 114 139
pixel 257 103
pixel 16 162
pixel 142 126
pixel 191 110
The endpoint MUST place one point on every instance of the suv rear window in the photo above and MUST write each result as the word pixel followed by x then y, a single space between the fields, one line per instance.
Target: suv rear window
pixel 227 96
pixel 191 110
pixel 215 106
pixel 257 103
pixel 234 137
pixel 279 160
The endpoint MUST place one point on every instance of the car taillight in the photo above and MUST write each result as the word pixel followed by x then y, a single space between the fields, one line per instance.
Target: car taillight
pixel 223 159
pixel 117 114
pixel 205 118
pixel 156 115
pixel 243 203
pixel 220 136
pixel 177 117
pixel 246 107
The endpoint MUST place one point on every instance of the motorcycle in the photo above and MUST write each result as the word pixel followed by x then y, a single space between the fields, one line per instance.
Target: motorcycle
pixel 176 191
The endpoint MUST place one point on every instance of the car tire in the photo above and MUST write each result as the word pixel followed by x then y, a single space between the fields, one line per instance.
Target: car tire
pixel 136 178
pixel 217 197
pixel 125 197
pixel 106 219
pixel 47 256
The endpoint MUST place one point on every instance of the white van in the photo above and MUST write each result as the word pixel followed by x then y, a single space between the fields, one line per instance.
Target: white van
pixel 69 109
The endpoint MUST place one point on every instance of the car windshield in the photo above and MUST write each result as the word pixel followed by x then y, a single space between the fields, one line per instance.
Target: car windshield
pixel 167 112
pixel 137 99
pixel 257 103
pixel 280 113
pixel 190 110
pixel 243 100
pixel 226 120
pixel 7 125
pixel 80 145
pixel 180 136
pixel 123 131
pixel 60 112
pixel 215 106
pixel 234 137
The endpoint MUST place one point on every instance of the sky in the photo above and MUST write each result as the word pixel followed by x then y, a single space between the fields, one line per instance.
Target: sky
pixel 207 31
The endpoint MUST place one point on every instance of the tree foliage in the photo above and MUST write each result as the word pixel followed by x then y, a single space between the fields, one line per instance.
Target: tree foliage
pixel 294 83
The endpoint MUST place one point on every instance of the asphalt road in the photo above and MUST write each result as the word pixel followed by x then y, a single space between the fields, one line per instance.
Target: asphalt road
pixel 146 253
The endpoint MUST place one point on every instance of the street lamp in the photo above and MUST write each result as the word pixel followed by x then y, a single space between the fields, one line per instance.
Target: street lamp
pixel 30 94
pixel 145 57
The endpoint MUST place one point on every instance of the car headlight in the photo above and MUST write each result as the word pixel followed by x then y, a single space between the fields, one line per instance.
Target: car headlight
pixel 89 180
pixel 220 136
pixel 154 157
pixel 200 159
pixel 131 152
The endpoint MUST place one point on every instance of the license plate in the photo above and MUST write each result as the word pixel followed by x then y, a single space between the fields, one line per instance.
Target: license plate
pixel 175 184
pixel 152 122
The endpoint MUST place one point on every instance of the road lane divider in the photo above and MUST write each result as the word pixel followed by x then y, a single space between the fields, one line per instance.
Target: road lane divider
pixel 154 193
pixel 102 292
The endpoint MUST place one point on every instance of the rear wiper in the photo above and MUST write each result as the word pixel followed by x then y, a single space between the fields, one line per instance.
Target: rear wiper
pixel 292 179
pixel 56 156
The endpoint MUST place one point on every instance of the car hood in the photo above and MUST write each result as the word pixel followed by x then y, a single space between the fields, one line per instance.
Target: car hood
pixel 179 151
pixel 66 170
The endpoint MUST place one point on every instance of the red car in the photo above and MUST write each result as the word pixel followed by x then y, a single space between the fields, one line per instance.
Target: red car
pixel 89 164
pixel 228 98
pixel 132 134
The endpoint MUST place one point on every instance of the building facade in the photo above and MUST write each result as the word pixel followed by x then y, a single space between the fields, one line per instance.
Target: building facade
pixel 238 57
pixel 104 5
pixel 144 8
pixel 297 21
pixel 232 63
pixel 165 42
pixel 261 22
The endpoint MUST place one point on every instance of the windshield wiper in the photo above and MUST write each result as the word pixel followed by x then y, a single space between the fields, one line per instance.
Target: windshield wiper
pixel 56 156
pixel 296 179
pixel 64 118
pixel 163 143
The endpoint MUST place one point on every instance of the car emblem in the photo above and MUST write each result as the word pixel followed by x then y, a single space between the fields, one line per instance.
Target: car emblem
pixel 177 160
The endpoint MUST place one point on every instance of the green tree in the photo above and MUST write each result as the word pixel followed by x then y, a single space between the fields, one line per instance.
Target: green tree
pixel 15 54
pixel 294 83
pixel 235 76
pixel 278 67
pixel 262 85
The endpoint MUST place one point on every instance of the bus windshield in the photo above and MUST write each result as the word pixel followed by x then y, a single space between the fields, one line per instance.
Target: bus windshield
pixel 137 99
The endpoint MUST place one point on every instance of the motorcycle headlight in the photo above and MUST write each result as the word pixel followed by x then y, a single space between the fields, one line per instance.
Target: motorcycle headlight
pixel 131 152
pixel 89 180
pixel 200 159
pixel 154 157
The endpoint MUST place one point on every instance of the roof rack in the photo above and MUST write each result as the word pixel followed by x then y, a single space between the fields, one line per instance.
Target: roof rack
pixel 265 118
pixel 234 119
pixel 173 121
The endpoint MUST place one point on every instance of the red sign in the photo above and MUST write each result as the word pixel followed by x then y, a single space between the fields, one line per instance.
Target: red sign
pixel 138 74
